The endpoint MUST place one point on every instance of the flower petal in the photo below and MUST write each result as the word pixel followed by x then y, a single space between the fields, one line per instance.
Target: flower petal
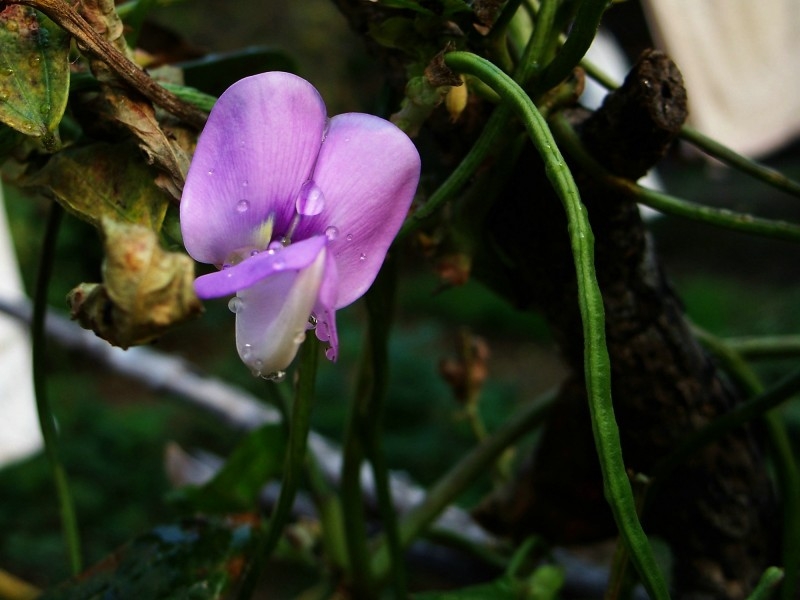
pixel 368 171
pixel 272 316
pixel 257 149
pixel 325 311
pixel 238 277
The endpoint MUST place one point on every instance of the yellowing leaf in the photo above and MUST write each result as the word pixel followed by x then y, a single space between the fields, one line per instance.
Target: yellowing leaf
pixel 103 181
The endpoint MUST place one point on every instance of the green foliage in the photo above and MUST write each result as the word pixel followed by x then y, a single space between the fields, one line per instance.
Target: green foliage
pixel 236 487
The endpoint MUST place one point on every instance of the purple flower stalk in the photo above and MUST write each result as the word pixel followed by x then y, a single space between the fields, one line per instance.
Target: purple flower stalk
pixel 295 209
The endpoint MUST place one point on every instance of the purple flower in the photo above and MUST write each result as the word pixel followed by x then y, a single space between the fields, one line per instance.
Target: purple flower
pixel 297 210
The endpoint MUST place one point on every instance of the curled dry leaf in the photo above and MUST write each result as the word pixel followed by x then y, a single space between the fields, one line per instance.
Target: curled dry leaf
pixel 125 108
pixel 145 289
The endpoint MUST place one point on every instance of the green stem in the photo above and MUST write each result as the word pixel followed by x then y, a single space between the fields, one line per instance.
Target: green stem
pixel 449 487
pixel 597 370
pixel 584 29
pixel 712 147
pixel 380 301
pixel 767 584
pixel 293 464
pixel 773 346
pixel 355 527
pixel 537 47
pixel 69 523
pixel 670 204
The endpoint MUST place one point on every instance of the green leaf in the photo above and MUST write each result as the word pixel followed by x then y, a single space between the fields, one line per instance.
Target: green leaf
pixel 103 181
pixel 196 558
pixel 504 588
pixel 258 458
pixel 34 72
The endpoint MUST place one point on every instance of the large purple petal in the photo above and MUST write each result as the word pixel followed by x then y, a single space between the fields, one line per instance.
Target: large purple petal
pixel 368 171
pixel 272 315
pixel 257 149
pixel 248 272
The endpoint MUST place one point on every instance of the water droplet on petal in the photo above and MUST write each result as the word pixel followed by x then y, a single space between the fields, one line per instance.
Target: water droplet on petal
pixel 254 252
pixel 245 183
pixel 247 352
pixel 312 322
pixel 331 233
pixel 362 256
pixel 330 354
pixel 279 265
pixel 300 337
pixel 310 201
pixel 226 266
pixel 277 376
pixel 274 247
pixel 242 206
pixel 211 171
pixel 349 237
pixel 235 304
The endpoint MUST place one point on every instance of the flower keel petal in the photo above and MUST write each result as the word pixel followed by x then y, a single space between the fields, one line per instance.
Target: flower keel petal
pixel 272 315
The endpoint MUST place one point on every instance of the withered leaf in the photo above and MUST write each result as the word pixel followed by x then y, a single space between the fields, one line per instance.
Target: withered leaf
pixel 145 289
pixel 103 181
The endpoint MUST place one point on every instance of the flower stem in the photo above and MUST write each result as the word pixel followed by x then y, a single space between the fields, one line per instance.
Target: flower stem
pixel 449 487
pixel 597 371
pixel 293 464
pixel 355 527
pixel 380 308
pixel 665 203
pixel 69 522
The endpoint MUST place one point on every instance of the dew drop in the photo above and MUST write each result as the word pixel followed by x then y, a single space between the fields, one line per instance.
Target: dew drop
pixel 235 304
pixel 255 252
pixel 242 206
pixel 7 72
pixel 279 265
pixel 310 201
pixel 226 266
pixel 247 352
pixel 330 354
pixel 312 321
pixel 362 257
pixel 211 171
pixel 349 237
pixel 245 183
pixel 331 233
pixel 300 337
pixel 277 376
pixel 3 95
pixel 34 61
pixel 274 247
